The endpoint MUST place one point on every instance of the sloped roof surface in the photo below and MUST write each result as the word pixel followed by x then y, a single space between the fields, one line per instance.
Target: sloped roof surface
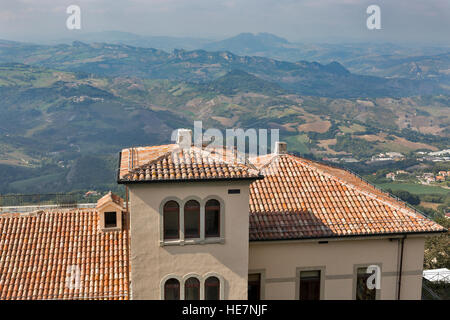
pixel 42 255
pixel 300 199
pixel 172 163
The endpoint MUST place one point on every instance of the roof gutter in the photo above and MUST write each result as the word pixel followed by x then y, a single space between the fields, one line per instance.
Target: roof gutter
pixel 352 236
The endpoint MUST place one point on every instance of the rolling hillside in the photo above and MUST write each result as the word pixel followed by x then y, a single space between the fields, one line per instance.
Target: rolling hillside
pixel 306 78
pixel 374 59
pixel 52 121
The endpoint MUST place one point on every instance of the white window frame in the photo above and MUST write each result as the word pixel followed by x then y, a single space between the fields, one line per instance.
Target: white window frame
pixel 168 277
pixel 199 278
pixel 298 272
pixel 202 240
pixel 355 278
pixel 202 279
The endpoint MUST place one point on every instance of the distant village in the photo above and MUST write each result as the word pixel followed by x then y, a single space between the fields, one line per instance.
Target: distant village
pixel 426 178
pixel 434 156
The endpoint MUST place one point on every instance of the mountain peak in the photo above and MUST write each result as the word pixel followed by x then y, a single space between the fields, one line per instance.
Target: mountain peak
pixel 262 36
pixel 77 43
pixel 248 42
pixel 272 37
pixel 337 68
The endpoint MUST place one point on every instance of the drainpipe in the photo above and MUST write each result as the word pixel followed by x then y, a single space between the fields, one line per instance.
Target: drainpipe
pixel 402 245
pixel 128 241
pixel 126 197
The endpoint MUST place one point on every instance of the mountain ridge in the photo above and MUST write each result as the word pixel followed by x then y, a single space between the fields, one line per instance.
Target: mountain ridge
pixel 310 78
pixel 52 121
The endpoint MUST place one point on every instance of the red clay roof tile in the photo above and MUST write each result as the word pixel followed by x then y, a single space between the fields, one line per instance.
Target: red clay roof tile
pixel 37 252
pixel 299 198
pixel 171 163
pixel 296 199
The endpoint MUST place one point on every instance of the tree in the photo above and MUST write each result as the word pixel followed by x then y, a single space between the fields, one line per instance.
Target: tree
pixel 437 248
pixel 406 196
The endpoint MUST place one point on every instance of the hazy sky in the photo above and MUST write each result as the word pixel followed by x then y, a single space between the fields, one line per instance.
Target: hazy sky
pixel 417 21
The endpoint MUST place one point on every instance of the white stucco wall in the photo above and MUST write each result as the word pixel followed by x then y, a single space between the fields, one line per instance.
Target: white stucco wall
pixel 233 258
pixel 280 262
pixel 151 262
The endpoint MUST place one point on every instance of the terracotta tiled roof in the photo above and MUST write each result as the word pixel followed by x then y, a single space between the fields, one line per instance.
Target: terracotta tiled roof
pixel 40 252
pixel 133 158
pixel 299 199
pixel 172 163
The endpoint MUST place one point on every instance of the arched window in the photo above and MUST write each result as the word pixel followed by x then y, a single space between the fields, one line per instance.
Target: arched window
pixel 171 220
pixel 212 219
pixel 192 289
pixel 212 288
pixel 172 289
pixel 192 219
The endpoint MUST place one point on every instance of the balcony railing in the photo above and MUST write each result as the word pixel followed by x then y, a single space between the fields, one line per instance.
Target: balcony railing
pixel 31 202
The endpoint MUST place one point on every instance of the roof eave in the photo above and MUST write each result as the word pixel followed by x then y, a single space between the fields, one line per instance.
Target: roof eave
pixel 121 181
pixel 350 236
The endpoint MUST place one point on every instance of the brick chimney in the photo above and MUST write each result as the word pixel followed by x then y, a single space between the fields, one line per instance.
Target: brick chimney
pixel 184 138
pixel 280 148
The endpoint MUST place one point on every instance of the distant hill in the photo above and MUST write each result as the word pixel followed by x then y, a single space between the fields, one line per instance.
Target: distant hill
pixel 66 105
pixel 248 43
pixel 417 67
pixel 53 122
pixel 383 60
pixel 309 78
pixel 238 81
pixel 375 59
pixel 127 38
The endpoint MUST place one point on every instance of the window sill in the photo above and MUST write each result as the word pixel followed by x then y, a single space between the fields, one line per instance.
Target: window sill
pixel 191 242
pixel 111 229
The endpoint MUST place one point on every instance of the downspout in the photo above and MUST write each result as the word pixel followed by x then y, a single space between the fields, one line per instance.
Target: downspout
pixel 126 198
pixel 130 287
pixel 400 269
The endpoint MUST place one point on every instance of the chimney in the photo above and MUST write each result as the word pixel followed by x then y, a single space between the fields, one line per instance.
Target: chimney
pixel 184 138
pixel 280 148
